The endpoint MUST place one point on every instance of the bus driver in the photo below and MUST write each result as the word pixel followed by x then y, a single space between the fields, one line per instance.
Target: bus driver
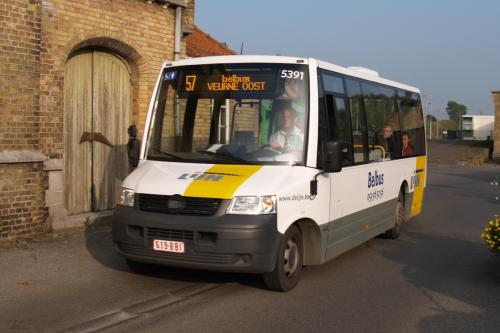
pixel 289 138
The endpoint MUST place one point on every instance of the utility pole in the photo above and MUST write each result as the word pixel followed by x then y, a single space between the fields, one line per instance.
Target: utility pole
pixel 429 126
pixel 432 127
pixel 430 118
pixel 432 130
pixel 437 129
pixel 426 115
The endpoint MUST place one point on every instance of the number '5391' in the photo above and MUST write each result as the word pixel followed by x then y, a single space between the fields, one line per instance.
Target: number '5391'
pixel 288 74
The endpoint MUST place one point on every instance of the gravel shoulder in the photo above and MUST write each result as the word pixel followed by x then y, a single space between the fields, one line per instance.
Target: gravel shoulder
pixel 457 153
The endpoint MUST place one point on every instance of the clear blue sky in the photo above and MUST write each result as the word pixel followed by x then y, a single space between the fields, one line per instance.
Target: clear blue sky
pixel 448 49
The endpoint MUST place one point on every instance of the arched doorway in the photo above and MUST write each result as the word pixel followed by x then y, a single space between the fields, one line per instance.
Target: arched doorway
pixel 98 107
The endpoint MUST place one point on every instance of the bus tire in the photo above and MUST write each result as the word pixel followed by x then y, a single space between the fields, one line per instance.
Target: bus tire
pixel 395 231
pixel 288 267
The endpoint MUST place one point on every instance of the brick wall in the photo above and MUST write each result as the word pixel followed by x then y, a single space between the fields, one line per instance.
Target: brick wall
pixel 22 185
pixel 201 130
pixel 19 74
pixel 141 32
pixel 36 39
pixel 22 199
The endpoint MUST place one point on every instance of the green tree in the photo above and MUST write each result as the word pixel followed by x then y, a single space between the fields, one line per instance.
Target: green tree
pixel 456 111
pixel 430 118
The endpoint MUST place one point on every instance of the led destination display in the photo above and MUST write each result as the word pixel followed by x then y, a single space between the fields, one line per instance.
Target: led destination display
pixel 229 83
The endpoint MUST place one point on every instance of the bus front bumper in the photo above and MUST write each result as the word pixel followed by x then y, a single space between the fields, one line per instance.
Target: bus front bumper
pixel 231 243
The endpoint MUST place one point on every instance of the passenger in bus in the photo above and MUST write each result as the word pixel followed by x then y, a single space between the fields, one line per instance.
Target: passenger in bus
pixel 393 148
pixel 407 147
pixel 289 138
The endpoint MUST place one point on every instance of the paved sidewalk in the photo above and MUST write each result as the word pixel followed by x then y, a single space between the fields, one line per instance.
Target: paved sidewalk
pixel 74 277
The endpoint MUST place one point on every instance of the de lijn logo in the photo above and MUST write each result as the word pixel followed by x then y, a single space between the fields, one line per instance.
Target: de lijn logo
pixel 208 176
pixel 415 181
pixel 375 179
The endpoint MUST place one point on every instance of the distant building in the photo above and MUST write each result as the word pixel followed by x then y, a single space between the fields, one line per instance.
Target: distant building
pixel 496 135
pixel 477 127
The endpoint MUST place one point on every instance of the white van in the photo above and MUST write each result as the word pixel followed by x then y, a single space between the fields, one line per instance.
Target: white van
pixel 265 164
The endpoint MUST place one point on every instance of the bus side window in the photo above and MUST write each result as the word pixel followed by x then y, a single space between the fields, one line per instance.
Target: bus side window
pixel 322 130
pixel 412 121
pixel 339 128
pixel 384 137
pixel 358 121
pixel 337 118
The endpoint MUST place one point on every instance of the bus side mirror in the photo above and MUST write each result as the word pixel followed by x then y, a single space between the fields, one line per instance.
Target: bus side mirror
pixel 133 146
pixel 333 156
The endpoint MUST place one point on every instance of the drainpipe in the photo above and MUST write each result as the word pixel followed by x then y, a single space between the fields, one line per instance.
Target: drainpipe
pixel 178 32
pixel 177 53
pixel 226 131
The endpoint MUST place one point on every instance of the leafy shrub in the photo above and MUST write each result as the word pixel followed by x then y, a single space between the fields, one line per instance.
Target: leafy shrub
pixel 491 235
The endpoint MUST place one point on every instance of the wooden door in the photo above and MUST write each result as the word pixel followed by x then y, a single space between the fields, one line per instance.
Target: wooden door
pixel 113 105
pixel 98 99
pixel 78 94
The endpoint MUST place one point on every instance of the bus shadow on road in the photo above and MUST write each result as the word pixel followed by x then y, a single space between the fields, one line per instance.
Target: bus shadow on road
pixel 460 277
pixel 100 245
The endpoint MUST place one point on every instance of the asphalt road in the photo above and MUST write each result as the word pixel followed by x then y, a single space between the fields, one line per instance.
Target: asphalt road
pixel 437 277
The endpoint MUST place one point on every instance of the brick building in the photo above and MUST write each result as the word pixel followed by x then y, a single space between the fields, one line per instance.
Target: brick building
pixel 201 44
pixel 70 67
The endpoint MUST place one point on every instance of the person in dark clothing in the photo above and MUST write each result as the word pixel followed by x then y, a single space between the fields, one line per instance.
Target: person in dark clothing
pixel 392 143
pixel 133 146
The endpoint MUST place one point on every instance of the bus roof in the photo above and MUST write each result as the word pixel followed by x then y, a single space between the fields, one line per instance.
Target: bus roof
pixel 233 59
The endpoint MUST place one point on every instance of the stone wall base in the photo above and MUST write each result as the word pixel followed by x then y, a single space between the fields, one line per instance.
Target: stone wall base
pixel 54 195
pixel 81 220
pixel 32 196
pixel 22 202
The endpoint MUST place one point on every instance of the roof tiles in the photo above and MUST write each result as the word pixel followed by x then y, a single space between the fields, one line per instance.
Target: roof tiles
pixel 201 44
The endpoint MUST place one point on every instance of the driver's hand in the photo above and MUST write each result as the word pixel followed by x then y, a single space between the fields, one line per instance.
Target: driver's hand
pixel 275 145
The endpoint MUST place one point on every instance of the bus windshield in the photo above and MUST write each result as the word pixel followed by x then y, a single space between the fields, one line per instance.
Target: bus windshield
pixel 231 114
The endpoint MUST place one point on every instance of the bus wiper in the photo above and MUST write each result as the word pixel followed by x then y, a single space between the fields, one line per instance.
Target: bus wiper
pixel 167 154
pixel 227 155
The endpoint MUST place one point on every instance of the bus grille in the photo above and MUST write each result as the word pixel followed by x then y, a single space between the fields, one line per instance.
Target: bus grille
pixel 207 258
pixel 170 234
pixel 191 206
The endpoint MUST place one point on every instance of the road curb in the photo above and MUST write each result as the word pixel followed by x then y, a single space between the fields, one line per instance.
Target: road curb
pixel 140 309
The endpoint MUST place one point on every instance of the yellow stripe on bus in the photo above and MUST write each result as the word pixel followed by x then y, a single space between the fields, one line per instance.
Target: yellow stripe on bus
pixel 418 191
pixel 220 181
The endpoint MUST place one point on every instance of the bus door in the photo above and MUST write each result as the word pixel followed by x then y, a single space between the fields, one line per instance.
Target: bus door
pixel 348 186
pixel 341 186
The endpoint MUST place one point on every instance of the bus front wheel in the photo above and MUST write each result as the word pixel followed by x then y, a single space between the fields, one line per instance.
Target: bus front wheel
pixel 288 267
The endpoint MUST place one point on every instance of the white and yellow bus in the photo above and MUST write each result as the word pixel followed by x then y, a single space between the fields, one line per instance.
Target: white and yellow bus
pixel 266 164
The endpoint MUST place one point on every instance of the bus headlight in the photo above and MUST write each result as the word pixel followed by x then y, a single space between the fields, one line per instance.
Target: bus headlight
pixel 127 197
pixel 252 205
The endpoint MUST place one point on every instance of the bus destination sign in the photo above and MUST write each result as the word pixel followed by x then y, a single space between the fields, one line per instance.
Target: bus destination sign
pixel 229 83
